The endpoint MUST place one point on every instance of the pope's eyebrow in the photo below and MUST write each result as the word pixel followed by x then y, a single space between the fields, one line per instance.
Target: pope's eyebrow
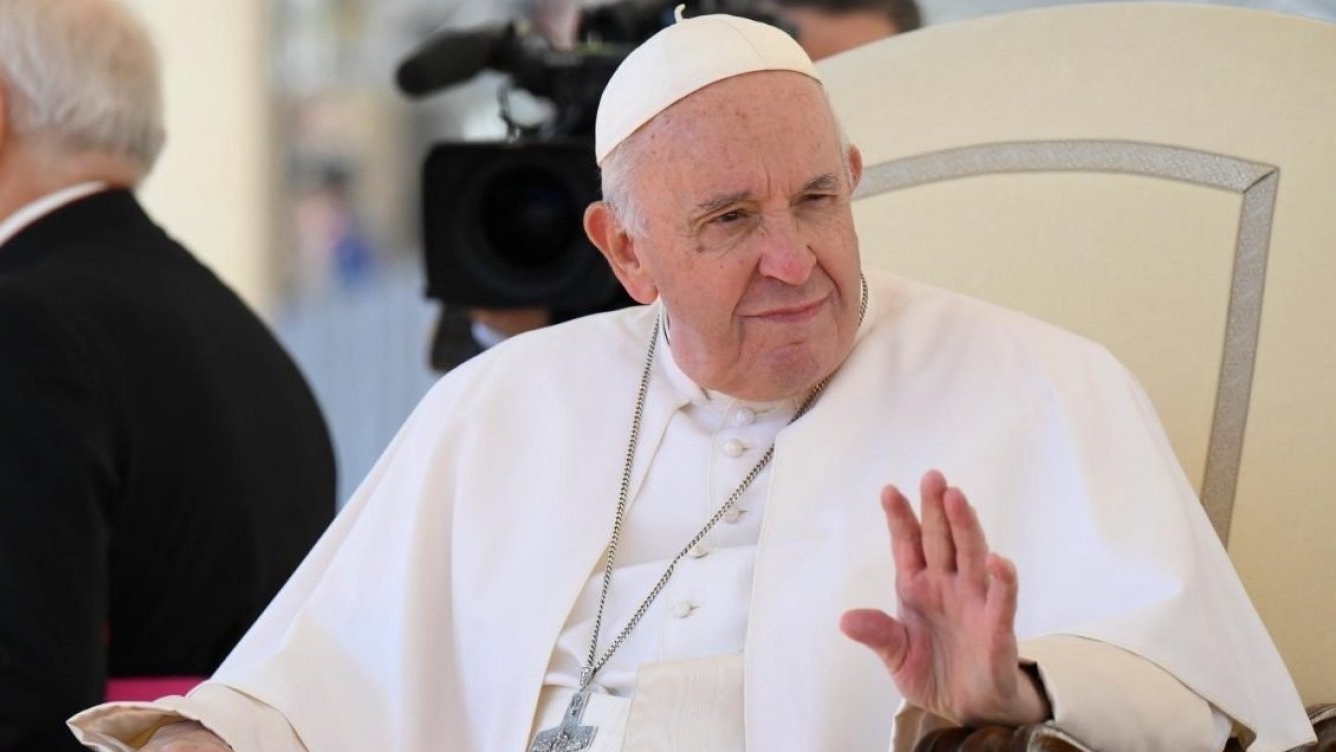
pixel 828 182
pixel 719 202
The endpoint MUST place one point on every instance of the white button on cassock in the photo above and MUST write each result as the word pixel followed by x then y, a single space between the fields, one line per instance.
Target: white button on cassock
pixel 744 416
pixel 683 609
pixel 700 550
pixel 734 448
pixel 734 514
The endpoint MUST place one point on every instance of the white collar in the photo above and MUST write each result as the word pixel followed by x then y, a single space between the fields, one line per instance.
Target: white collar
pixel 26 215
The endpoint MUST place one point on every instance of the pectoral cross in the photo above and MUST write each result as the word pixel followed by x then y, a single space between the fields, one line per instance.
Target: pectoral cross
pixel 570 736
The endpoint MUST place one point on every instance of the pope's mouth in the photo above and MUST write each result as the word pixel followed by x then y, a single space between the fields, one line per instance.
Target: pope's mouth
pixel 793 313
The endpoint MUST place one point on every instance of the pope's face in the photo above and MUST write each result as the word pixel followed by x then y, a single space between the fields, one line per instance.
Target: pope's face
pixel 749 237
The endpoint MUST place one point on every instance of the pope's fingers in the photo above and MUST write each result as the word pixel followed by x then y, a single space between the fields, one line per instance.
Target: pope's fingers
pixel 906 536
pixel 967 537
pixel 1003 590
pixel 938 551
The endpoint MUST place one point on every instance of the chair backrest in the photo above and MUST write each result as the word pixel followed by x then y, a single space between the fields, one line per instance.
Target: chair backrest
pixel 1160 178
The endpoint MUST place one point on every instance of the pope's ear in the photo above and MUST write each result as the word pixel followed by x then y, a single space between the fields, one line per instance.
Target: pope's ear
pixel 622 251
pixel 855 158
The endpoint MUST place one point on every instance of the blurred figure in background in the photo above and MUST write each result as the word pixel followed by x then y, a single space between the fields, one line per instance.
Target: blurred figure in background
pixel 829 27
pixel 163 465
pixel 331 241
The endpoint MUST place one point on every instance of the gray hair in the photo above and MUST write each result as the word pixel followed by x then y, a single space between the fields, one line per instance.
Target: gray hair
pixel 619 172
pixel 626 159
pixel 81 75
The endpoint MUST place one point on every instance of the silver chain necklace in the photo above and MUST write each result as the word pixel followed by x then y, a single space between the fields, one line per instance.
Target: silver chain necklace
pixel 570 736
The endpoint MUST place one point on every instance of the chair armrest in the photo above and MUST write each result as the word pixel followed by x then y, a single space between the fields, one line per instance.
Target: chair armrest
pixel 1041 738
pixel 1037 738
pixel 1324 724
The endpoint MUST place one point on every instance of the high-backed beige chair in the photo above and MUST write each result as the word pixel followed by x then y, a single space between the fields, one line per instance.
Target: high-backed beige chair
pixel 1162 179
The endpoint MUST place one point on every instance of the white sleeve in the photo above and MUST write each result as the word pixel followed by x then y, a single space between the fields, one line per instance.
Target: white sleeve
pixel 245 723
pixel 1109 699
pixel 1117 701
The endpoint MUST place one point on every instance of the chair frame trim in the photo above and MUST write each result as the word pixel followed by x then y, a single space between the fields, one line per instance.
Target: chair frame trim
pixel 1256 182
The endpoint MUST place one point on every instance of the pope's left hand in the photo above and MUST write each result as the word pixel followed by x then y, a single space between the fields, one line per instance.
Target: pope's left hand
pixel 952 651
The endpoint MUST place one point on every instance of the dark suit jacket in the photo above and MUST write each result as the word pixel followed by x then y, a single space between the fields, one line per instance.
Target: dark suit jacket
pixel 163 465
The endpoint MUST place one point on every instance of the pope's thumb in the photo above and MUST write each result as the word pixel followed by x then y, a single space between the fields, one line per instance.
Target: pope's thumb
pixel 879 632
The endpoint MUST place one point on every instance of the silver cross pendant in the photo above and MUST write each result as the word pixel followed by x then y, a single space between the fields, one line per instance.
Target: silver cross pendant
pixel 570 736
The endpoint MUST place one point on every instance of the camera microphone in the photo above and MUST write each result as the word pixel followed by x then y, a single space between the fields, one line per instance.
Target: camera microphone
pixel 452 56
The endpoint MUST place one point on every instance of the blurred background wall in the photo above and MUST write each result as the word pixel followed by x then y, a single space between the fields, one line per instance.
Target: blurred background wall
pixel 214 185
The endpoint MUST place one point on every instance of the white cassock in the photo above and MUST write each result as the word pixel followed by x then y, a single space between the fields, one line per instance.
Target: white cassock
pixel 450 602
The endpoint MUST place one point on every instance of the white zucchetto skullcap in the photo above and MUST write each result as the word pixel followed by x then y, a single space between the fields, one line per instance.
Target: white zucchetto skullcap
pixel 686 57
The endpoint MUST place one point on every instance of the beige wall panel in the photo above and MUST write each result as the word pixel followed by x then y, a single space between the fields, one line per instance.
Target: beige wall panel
pixel 212 186
pixel 1144 264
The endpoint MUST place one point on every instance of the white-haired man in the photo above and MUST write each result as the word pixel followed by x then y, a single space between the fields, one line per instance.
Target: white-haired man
pixel 647 529
pixel 163 466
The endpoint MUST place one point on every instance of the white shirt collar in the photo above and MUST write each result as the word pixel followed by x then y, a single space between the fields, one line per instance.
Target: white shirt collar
pixel 26 215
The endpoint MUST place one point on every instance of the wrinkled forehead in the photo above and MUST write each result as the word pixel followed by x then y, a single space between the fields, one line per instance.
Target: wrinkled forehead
pixel 761 113
pixel 763 134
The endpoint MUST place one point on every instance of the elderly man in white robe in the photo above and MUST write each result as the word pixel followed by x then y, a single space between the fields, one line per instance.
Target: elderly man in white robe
pixel 647 529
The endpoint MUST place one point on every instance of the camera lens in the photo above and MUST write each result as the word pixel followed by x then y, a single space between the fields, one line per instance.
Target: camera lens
pixel 504 226
pixel 529 217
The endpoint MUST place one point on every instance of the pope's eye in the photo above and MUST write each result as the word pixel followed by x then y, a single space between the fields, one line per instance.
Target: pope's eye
pixel 728 217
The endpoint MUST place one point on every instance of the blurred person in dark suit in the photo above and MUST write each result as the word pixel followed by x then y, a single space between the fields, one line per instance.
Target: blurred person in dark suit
pixel 163 464
pixel 829 27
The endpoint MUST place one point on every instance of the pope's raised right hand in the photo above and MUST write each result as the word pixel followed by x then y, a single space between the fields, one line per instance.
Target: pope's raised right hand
pixel 951 649
pixel 185 736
